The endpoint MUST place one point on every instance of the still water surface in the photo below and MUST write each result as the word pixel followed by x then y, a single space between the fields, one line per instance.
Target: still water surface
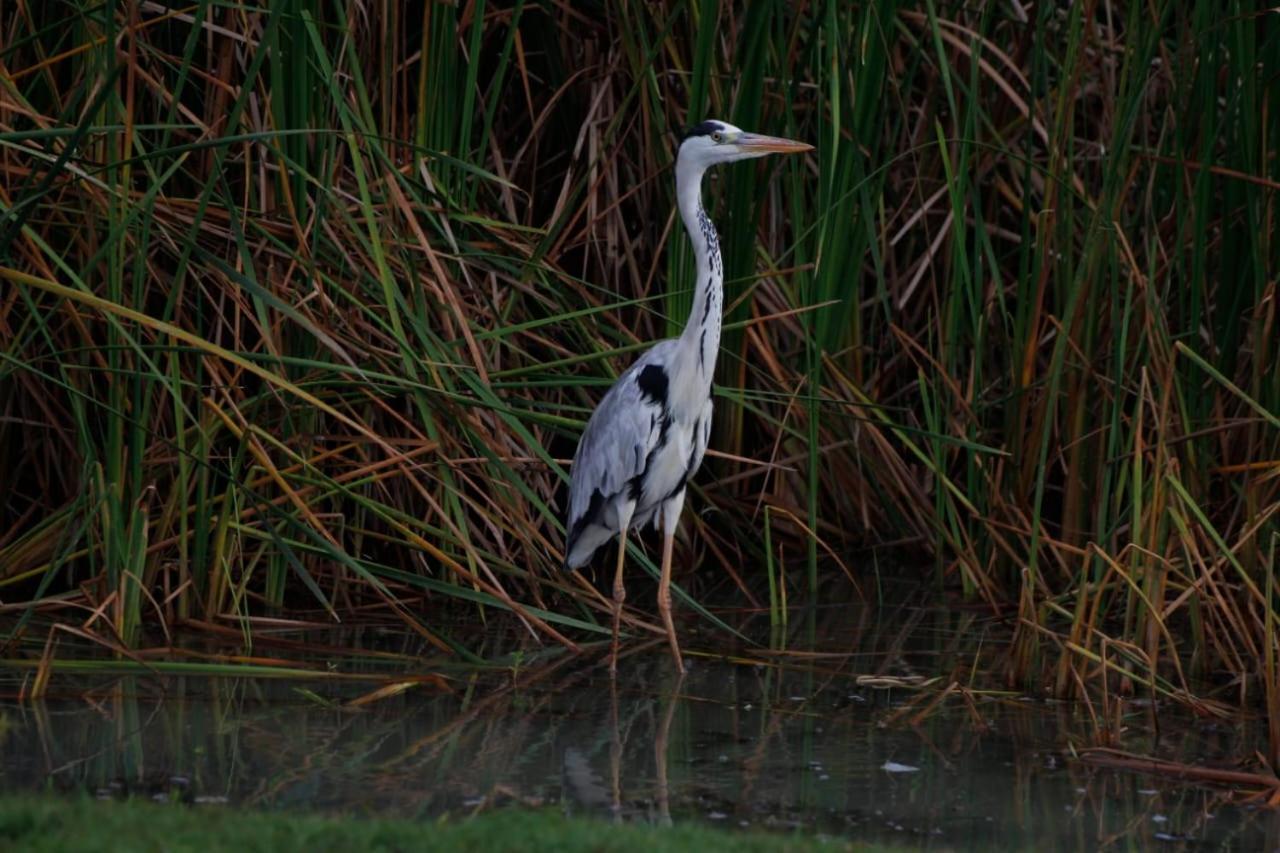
pixel 859 744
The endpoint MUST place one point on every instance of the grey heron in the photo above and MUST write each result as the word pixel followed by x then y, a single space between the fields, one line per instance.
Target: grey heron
pixel 648 435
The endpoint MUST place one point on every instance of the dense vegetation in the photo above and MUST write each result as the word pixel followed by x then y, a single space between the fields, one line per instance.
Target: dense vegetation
pixel 304 305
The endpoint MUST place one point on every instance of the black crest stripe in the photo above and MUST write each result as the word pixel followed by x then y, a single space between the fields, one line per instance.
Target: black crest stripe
pixel 705 128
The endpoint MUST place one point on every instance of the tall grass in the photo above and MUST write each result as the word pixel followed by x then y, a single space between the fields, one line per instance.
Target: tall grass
pixel 304 305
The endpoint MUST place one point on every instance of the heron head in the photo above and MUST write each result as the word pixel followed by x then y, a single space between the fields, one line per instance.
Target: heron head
pixel 714 141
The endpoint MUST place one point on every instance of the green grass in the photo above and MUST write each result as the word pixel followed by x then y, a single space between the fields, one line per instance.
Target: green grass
pixel 38 824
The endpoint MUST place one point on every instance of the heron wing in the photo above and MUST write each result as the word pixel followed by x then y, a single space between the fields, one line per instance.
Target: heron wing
pixel 621 433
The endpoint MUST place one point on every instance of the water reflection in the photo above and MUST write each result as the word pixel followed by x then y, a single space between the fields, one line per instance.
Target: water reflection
pixel 735 744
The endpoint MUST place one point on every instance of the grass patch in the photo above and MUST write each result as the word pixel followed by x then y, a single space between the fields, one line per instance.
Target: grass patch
pixel 39 824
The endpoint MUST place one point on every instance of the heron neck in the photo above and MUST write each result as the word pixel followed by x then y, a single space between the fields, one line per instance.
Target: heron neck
pixel 702 331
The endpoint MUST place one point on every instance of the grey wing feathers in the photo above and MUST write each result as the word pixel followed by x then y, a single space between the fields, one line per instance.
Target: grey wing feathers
pixel 611 453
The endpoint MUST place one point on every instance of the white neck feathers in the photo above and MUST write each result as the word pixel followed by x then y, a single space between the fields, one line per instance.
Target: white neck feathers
pixel 702 331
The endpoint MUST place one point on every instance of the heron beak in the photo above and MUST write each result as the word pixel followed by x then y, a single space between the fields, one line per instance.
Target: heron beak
pixel 755 143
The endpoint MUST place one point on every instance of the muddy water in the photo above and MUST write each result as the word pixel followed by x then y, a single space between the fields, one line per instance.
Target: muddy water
pixel 859 744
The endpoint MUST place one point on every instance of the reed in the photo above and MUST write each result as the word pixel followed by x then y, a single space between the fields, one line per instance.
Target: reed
pixel 304 305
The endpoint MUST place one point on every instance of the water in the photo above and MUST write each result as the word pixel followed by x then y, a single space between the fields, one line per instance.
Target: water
pixel 820 742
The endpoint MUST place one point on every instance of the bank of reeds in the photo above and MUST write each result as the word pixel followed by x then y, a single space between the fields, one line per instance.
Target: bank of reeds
pixel 304 305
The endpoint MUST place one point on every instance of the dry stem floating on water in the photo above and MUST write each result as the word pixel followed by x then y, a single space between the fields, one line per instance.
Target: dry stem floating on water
pixel 1264 787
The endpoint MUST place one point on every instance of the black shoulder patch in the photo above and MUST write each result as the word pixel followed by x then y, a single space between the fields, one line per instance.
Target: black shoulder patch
pixel 706 128
pixel 653 384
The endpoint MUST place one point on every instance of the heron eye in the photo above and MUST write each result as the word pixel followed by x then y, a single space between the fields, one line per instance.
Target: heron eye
pixel 717 136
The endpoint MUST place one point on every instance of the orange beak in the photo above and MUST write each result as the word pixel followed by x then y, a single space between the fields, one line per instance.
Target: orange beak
pixel 757 143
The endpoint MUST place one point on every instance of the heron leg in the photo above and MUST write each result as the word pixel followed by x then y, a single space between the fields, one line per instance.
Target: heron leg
pixel 670 520
pixel 664 598
pixel 619 596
